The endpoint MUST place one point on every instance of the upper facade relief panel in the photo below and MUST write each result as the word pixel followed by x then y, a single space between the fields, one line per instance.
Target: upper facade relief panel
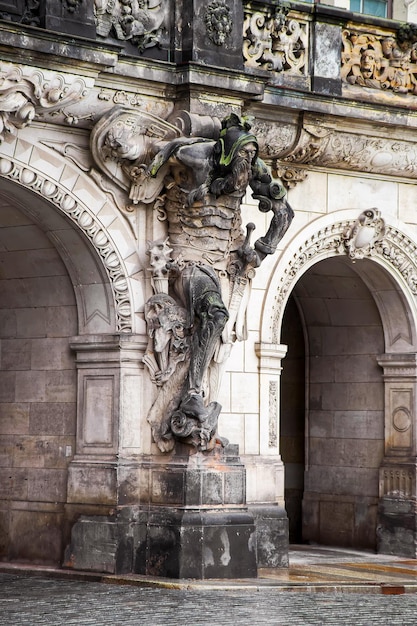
pixel 312 48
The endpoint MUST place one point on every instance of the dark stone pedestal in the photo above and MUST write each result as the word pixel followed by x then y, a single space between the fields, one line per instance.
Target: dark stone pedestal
pixel 198 544
pixel 397 527
pixel 194 523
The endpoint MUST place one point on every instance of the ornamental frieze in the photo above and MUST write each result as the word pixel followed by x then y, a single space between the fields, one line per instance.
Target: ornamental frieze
pixel 333 146
pixel 379 61
pixel 26 93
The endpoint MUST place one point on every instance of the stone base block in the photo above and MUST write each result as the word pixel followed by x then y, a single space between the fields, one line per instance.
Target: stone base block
pixel 198 544
pixel 397 527
pixel 272 541
pixel 166 542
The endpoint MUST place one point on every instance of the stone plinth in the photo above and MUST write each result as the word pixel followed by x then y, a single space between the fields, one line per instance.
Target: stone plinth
pixel 397 527
pixel 193 522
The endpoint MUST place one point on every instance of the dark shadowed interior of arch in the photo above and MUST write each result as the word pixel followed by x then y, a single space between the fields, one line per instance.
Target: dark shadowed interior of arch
pixel 332 406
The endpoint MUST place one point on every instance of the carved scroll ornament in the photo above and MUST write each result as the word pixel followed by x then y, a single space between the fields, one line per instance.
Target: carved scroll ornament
pixel 139 21
pixel 25 93
pixel 274 42
pixel 379 62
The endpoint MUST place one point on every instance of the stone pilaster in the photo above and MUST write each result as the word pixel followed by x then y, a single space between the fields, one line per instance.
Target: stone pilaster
pixel 397 510
pixel 266 471
pixel 110 371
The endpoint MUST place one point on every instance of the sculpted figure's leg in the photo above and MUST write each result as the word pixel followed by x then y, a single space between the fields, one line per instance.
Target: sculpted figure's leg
pixel 210 317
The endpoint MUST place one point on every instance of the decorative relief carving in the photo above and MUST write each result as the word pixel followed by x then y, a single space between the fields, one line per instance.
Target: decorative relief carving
pixel 389 244
pixel 86 221
pixel 25 93
pixel 383 62
pixel 274 42
pixel 401 419
pixel 289 176
pixel 72 5
pixel 218 21
pixel 398 482
pixel 139 21
pixel 333 147
pixel 361 238
pixel 275 139
pixel 273 411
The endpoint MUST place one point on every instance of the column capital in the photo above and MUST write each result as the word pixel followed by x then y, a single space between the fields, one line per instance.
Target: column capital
pixel 270 356
pixel 399 365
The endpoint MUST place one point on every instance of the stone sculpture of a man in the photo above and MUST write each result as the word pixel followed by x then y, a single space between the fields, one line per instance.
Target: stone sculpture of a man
pixel 207 265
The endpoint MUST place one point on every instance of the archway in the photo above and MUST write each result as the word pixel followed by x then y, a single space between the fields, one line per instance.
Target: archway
pixel 53 287
pixel 356 311
pixel 332 444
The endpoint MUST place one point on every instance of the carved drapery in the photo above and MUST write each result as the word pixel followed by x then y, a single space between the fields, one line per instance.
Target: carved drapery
pixel 357 238
pixel 274 41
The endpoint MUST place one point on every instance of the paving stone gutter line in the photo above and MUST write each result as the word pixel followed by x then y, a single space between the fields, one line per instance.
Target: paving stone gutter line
pixel 365 587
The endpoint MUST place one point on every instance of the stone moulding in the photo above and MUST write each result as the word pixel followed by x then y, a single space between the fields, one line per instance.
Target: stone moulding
pixel 84 219
pixel 322 145
pixel 394 248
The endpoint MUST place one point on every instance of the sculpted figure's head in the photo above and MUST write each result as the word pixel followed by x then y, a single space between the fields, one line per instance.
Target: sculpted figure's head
pixel 122 142
pixel 368 63
pixel 234 155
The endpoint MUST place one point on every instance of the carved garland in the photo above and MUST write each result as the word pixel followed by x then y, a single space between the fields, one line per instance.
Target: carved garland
pixel 68 204
pixel 394 247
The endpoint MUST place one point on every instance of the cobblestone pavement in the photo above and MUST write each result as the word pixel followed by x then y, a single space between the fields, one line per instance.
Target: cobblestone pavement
pixel 38 601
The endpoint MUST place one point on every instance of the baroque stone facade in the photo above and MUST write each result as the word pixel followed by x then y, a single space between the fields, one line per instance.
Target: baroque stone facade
pixel 116 120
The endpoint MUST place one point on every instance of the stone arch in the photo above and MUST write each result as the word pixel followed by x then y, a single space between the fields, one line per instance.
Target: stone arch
pixel 389 269
pixel 27 169
pixel 383 390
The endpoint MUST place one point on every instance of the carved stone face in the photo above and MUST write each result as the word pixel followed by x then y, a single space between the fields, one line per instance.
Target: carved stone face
pixel 123 142
pixel 248 152
pixel 368 63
